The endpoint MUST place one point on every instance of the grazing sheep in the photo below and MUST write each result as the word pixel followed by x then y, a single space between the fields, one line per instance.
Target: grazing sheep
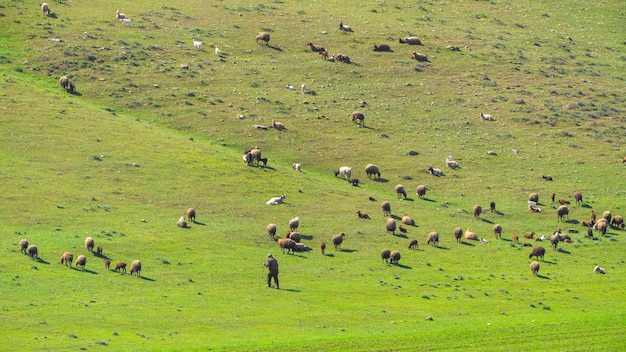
pixel 413 244
pixel 529 235
pixel 135 267
pixel 617 221
pixel 247 158
pixel 191 215
pixel 286 243
pixel 420 191
pixel 599 270
pixel 271 230
pixel 555 239
pixel 324 54
pixel 382 47
pixel 67 258
pixel 592 216
pixel 294 223
pixel 419 57
pixel 23 245
pixel 297 167
pixel 601 226
pixel 538 252
pixel 386 206
pixel 371 169
pixel 385 254
pixel 562 212
pixel 492 207
pixel 362 215
pixel 99 250
pixel 81 261
pixel 323 247
pixel 547 178
pixel 410 40
pixel 579 197
pixel 515 238
pixel 470 235
pixel 119 15
pixel 181 222
pixel 358 118
pixel 534 267
pixel 607 216
pixel 278 125
pixel 45 9
pixel 120 267
pixel 534 197
pixel 197 44
pixel 407 220
pixel 293 235
pixel 255 155
pixel 391 225
pixel 394 257
pixel 458 233
pixel 344 28
pixel 497 230
pixel 486 117
pixel 477 211
pixel 64 81
pixel 400 191
pixel 126 21
pixel 276 200
pixel 345 172
pixel 264 37
pixel 338 239
pixel 451 163
pixel 89 244
pixel 107 264
pixel 433 238
pixel 316 48
pixel 435 172
pixel 341 58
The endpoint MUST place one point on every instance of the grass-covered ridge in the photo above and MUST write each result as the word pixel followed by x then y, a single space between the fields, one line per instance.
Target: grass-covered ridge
pixel 144 139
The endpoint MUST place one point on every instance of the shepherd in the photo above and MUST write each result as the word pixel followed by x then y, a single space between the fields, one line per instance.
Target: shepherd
pixel 272 265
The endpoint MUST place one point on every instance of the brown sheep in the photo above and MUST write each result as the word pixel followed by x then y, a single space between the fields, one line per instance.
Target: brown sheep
pixel 338 239
pixel 526 244
pixel 386 206
pixel 552 197
pixel 135 267
pixel 296 236
pixel 497 230
pixel 413 244
pixel 555 239
pixel 534 267
pixel 316 48
pixel 294 224
pixel 601 227
pixel 323 247
pixel 107 264
pixel 421 191
pixel 324 54
pixel 419 57
pixel 382 47
pixel 529 235
pixel 64 81
pixel 458 233
pixel 607 216
pixel 470 235
pixel 358 118
pixel 362 215
pixel 343 58
pixel 533 197
pixel 592 216
pixel 562 212
pixel 407 220
pixel 264 37
pixel 617 221
pixel 371 169
pixel 400 191
pixel 538 239
pixel 579 197
pixel 515 238
pixel 287 243
pixel 394 257
pixel 433 238
pixel 191 215
pixel 477 211
pixel 81 261
pixel 89 243
pixel 23 245
pixel 32 251
pixel 120 267
pixel 410 40
pixel 391 225
pixel 385 254
pixel 563 202
pixel 271 230
pixel 587 223
pixel 99 250
pixel 538 252
pixel 67 258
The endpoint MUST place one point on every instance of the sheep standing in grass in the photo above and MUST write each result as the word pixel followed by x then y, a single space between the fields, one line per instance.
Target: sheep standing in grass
pixel 197 44
pixel 23 245
pixel 345 172
pixel 394 257
pixel 538 252
pixel 338 239
pixel 497 230
pixel 191 215
pixel 555 239
pixel 515 238
pixel 562 212
pixel 107 264
pixel 362 215
pixel 32 252
pixel 264 37
pixel 391 225
pixel 386 206
pixel 371 170
pixel 400 191
pixel 89 244
pixel 67 258
pixel 316 48
pixel 294 223
pixel 534 197
pixel 358 118
pixel 286 243
pixel 601 226
pixel 407 220
pixel 534 267
pixel 599 270
pixel 323 248
pixel 435 171
pixel 617 221
pixel 421 191
pixel 579 197
pixel 458 233
pixel 413 244
pixel 410 40
pixel 45 9
pixel 385 254
pixel 433 238
pixel 271 230
pixel 344 28
pixel 297 167
pixel 477 211
pixel 81 261
pixel 99 251
pixel 64 81
pixel 486 117
pixel 120 267
pixel 607 216
pixel 181 222
pixel 135 267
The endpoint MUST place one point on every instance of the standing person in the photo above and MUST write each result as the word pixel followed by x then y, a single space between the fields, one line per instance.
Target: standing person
pixel 272 265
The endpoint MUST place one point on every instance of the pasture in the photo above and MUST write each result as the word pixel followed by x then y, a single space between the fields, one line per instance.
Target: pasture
pixel 156 126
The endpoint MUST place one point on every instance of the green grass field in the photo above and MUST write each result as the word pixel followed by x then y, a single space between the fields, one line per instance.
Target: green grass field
pixel 142 139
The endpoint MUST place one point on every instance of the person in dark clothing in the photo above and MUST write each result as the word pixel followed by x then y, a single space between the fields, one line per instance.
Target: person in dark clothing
pixel 272 265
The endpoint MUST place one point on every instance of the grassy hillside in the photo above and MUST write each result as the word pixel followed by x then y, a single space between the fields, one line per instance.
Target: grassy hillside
pixel 143 139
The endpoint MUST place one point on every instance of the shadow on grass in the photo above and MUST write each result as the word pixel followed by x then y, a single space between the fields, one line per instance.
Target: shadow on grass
pixel 306 237
pixel 329 255
pixel 84 270
pixel 146 278
pixel 467 244
pixel 378 179
pixel 75 93
pixel 486 220
pixel 267 168
pixel 429 200
pixel 347 250
pixel 408 199
pixel 564 251
pixel 101 256
pixel 543 277
pixel 274 47
pixel 289 290
pixel 506 239
pixel 199 223
pixel 443 248
pixel 396 217
pixel 401 235
pixel 572 221
pixel 586 206
pixel 402 266
pixel 497 212
pixel 547 262
pixel 41 261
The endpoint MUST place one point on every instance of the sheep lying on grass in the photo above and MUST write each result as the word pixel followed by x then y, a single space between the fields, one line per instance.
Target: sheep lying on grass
pixel 278 125
pixel 599 270
pixel 470 235
pixel 382 47
pixel 126 21
pixel 297 167
pixel 181 222
pixel 407 220
pixel 119 15
pixel 451 163
pixel 419 57
pixel 362 215
pixel 435 172
pixel 276 200
pixel 410 40
pixel 486 117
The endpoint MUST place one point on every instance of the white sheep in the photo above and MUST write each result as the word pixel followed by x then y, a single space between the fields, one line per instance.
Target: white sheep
pixel 435 172
pixel 126 21
pixel 344 28
pixel 486 117
pixel 297 166
pixel 345 172
pixel 197 44
pixel 119 15
pixel 276 200
pixel 410 40
pixel 599 270
pixel 45 9
pixel 218 52
pixel 451 163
